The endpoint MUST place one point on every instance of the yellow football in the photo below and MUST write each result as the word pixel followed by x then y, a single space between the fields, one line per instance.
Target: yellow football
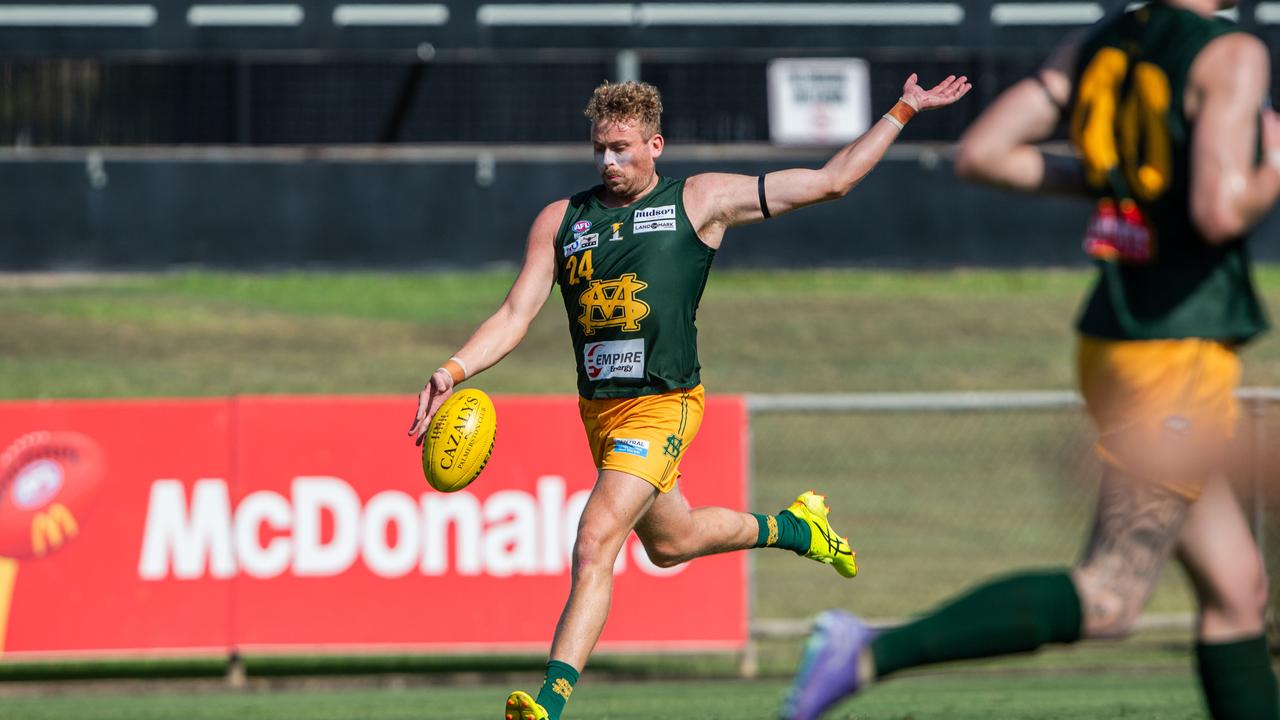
pixel 459 441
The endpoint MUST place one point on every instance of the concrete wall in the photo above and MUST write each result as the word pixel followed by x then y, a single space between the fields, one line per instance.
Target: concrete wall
pixel 465 207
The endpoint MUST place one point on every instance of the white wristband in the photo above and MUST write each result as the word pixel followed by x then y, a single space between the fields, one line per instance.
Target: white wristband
pixel 893 120
pixel 465 372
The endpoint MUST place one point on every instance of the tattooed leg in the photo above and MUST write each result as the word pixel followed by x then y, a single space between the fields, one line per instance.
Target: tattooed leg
pixel 1135 528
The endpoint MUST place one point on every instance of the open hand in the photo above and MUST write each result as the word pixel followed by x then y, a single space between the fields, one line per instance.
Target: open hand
pixel 941 95
pixel 437 390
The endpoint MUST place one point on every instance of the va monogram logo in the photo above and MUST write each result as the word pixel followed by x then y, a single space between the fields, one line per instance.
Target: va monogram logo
pixel 613 303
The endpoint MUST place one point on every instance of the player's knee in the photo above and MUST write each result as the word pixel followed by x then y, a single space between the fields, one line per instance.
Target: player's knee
pixel 593 549
pixel 1106 613
pixel 665 552
pixel 1242 604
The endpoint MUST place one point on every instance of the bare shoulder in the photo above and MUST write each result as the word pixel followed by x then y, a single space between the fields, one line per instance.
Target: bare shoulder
pixel 547 223
pixel 1237 55
pixel 706 185
pixel 1059 67
pixel 711 191
pixel 554 210
pixel 551 215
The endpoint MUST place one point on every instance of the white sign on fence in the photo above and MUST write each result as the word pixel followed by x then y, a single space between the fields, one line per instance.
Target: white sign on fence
pixel 818 101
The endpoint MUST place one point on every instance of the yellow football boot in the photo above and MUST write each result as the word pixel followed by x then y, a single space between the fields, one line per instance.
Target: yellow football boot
pixel 520 706
pixel 825 545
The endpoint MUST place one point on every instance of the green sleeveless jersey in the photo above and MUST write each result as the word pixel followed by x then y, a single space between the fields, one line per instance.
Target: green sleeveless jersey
pixel 631 279
pixel 1128 123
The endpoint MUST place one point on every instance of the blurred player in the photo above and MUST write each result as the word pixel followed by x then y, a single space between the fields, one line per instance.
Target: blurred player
pixel 631 257
pixel 1165 107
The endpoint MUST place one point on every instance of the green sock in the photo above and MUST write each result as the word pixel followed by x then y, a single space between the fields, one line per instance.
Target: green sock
pixel 1237 679
pixel 1018 613
pixel 557 687
pixel 783 530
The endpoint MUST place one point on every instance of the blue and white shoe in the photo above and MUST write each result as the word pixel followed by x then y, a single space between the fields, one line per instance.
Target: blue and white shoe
pixel 829 670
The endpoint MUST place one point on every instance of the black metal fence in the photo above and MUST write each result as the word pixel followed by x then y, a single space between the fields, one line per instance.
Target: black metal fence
pixel 317 72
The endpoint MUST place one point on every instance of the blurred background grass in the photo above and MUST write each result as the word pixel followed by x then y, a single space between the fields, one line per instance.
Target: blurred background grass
pixel 932 502
pixel 203 333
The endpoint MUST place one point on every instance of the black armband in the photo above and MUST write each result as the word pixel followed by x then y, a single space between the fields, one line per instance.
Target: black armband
pixel 1047 92
pixel 764 204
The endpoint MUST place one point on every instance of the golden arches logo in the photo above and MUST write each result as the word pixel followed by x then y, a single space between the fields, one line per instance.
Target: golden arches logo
pixel 51 528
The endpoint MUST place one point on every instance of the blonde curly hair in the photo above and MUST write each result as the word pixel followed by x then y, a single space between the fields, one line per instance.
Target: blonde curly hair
pixel 627 102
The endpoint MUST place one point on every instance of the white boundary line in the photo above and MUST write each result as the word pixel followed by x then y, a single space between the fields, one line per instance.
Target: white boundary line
pixel 1064 13
pixel 286 15
pixel 942 401
pixel 723 14
pixel 77 15
pixel 801 14
pixel 552 14
pixel 390 15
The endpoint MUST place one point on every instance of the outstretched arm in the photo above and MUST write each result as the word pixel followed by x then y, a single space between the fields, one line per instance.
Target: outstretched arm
pixel 999 148
pixel 500 334
pixel 716 201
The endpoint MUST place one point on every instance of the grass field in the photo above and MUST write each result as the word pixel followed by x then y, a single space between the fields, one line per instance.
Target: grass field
pixel 954 697
pixel 978 482
pixel 933 502
pixel 213 334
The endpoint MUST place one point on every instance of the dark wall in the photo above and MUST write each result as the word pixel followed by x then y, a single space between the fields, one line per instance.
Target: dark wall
pixel 247 213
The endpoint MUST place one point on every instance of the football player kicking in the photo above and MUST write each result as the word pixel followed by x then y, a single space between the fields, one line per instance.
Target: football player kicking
pixel 1165 104
pixel 631 256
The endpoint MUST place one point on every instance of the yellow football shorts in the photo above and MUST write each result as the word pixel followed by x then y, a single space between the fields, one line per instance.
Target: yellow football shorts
pixel 1166 410
pixel 644 436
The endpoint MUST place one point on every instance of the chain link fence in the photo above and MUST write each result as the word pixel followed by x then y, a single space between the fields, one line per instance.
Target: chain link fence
pixel 939 491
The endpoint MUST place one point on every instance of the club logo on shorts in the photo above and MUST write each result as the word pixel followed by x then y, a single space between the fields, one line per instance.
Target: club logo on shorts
pixel 614 359
pixel 613 304
pixel 674 446
pixel 639 448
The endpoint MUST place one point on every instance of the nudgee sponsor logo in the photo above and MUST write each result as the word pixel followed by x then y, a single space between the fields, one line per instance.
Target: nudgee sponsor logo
pixel 614 359
pixel 582 243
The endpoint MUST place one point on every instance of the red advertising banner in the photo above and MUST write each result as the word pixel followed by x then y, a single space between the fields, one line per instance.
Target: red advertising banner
pixel 304 523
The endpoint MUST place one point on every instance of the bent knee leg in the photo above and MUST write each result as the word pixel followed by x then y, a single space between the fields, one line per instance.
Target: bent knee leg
pixel 1107 612
pixel 1230 608
pixel 665 552
pixel 594 550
